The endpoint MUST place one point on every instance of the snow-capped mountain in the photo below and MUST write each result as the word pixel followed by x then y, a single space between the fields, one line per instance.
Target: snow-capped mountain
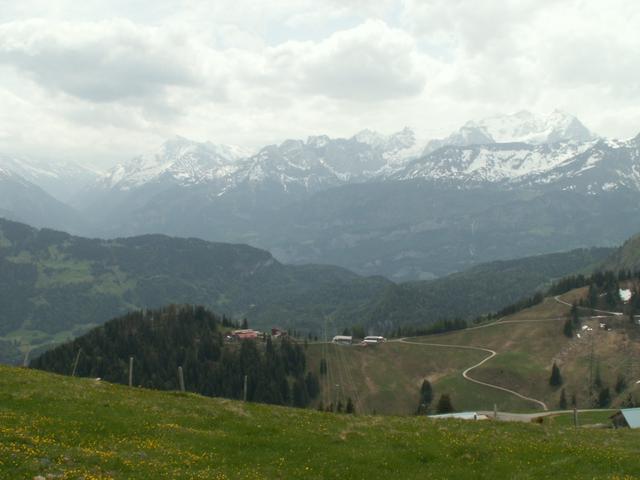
pixel 494 162
pixel 61 179
pixel 605 166
pixel 319 162
pixel 395 148
pixel 521 127
pixel 588 167
pixel 180 161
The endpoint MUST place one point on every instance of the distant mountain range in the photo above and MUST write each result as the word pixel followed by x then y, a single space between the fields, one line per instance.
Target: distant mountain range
pixel 499 188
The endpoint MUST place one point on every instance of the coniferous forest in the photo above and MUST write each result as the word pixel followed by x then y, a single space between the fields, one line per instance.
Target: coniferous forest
pixel 190 337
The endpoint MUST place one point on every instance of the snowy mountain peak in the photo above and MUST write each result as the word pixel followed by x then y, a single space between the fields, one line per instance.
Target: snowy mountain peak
pixel 527 127
pixel 179 159
pixel 318 141
pixel 405 138
pixel 520 127
pixel 394 148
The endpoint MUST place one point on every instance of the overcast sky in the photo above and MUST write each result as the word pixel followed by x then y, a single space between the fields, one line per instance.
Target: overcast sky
pixel 100 81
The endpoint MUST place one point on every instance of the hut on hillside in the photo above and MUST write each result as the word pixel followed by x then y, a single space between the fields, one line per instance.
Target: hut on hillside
pixel 626 418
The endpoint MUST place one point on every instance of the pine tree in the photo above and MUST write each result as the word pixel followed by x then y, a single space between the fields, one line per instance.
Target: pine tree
pixel 245 324
pixel 444 404
pixel 426 392
pixel 621 383
pixel 350 408
pixel 604 397
pixel 313 385
pixel 592 297
pixel 563 400
pixel 426 397
pixel 575 316
pixel 339 407
pixel 598 380
pixel 323 366
pixel 556 379
pixel 299 393
pixel 568 328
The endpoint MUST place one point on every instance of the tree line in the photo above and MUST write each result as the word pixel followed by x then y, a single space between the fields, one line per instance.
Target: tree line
pixel 191 337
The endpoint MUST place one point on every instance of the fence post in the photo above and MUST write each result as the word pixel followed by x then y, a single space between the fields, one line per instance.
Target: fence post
pixel 130 371
pixel 575 417
pixel 181 379
pixel 244 394
pixel 75 363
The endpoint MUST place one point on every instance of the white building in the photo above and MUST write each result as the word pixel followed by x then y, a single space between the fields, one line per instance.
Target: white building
pixel 374 339
pixel 343 339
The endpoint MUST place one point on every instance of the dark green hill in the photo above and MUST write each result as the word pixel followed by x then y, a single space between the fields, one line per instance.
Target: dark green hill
pixel 626 257
pixel 54 285
pixel 479 290
pixel 189 337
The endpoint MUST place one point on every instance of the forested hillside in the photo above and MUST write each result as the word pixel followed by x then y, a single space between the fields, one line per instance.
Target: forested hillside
pixel 162 340
pixel 626 257
pixel 480 290
pixel 54 285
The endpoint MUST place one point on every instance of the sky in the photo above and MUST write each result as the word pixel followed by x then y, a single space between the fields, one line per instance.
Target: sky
pixel 102 81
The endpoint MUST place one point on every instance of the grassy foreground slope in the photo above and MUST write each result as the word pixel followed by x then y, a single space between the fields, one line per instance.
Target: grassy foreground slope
pixel 81 428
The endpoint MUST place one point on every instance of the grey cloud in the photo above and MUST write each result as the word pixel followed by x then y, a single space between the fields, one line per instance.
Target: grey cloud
pixel 97 62
pixel 371 62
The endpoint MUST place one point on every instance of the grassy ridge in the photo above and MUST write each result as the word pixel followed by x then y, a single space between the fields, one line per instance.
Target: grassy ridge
pixel 386 378
pixel 80 428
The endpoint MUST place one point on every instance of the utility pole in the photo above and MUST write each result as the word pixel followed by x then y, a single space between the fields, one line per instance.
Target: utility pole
pixel 181 379
pixel 591 371
pixel 244 394
pixel 75 363
pixel 131 371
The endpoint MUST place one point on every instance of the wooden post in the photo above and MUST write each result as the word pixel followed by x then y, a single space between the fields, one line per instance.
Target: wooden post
pixel 181 379
pixel 131 371
pixel 244 395
pixel 575 417
pixel 25 362
pixel 75 363
pixel 495 411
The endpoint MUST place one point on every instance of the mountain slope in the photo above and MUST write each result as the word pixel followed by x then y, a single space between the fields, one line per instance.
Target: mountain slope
pixel 62 180
pixel 480 290
pixel 627 257
pixel 54 285
pixel 23 201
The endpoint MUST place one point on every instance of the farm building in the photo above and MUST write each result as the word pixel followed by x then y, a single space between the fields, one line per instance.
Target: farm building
pixel 627 417
pixel 343 339
pixel 247 334
pixel 374 339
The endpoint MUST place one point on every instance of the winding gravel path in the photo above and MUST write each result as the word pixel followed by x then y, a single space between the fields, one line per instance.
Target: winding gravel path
pixel 465 374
